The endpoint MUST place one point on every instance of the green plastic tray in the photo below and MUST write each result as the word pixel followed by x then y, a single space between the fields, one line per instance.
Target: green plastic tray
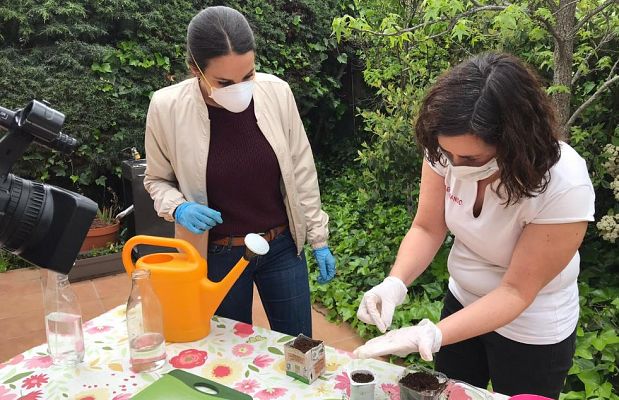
pixel 182 385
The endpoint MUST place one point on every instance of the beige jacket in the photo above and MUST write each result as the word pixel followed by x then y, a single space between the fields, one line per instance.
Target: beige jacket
pixel 177 146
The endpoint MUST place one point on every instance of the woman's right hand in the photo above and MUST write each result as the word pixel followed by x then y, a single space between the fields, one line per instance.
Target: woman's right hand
pixel 388 295
pixel 197 218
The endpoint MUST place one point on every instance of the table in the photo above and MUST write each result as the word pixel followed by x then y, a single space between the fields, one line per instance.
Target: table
pixel 247 358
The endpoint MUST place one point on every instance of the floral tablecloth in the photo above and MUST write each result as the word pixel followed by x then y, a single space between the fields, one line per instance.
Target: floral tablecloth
pixel 247 358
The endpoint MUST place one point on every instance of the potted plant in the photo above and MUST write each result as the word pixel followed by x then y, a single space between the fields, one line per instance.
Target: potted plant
pixel 100 253
pixel 105 228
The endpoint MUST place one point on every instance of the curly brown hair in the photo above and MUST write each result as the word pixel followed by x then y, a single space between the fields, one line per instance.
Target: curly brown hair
pixel 499 99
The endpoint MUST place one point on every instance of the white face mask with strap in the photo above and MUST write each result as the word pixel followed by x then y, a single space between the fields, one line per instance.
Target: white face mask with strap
pixel 468 173
pixel 234 98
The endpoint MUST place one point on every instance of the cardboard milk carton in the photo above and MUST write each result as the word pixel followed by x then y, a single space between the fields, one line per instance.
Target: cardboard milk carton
pixel 305 358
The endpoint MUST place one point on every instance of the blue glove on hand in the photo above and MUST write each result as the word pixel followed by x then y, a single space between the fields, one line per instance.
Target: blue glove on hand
pixel 197 218
pixel 326 264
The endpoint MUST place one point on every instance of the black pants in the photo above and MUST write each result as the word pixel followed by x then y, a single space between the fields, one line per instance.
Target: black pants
pixel 511 366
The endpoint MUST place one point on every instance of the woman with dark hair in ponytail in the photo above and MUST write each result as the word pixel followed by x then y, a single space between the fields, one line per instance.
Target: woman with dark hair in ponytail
pixel 227 155
pixel 517 200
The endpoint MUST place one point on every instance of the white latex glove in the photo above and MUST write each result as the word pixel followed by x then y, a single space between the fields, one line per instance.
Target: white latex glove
pixel 387 295
pixel 424 338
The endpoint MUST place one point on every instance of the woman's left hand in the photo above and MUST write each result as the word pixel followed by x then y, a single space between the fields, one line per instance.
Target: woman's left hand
pixel 326 264
pixel 424 338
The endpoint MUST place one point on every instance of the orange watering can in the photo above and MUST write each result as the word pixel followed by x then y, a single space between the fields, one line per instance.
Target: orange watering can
pixel 188 298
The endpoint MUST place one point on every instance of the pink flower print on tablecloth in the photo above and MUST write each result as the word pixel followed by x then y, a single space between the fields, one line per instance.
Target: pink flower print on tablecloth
pixel 13 361
pixel 271 393
pixel 124 396
pixel 99 329
pixel 393 391
pixel 44 361
pixel 36 395
pixel 343 383
pixel 34 381
pixel 5 394
pixel 263 360
pixel 243 330
pixel 189 358
pixel 242 350
pixel 247 386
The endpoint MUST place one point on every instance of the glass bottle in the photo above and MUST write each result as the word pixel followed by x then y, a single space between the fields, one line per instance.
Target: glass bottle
pixel 144 324
pixel 63 321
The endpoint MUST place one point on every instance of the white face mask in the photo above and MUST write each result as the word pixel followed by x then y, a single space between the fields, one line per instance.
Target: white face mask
pixel 474 173
pixel 234 98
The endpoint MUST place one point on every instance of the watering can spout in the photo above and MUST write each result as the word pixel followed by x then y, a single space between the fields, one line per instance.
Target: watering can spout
pixel 215 292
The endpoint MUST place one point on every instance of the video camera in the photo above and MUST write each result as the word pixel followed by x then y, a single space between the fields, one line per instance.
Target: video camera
pixel 43 224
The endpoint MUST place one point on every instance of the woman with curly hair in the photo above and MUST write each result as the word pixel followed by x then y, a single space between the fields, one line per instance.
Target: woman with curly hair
pixel 517 200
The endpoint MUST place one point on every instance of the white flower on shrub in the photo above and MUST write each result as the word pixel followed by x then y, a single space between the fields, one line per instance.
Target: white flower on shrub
pixel 614 185
pixel 611 165
pixel 608 227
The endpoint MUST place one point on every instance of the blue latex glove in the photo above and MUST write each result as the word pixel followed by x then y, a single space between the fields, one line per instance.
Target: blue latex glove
pixel 326 264
pixel 197 218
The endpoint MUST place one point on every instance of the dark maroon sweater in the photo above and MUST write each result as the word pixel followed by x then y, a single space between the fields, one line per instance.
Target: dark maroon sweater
pixel 242 175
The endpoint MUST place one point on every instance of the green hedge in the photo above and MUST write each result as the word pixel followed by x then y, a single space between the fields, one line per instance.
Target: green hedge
pixel 99 61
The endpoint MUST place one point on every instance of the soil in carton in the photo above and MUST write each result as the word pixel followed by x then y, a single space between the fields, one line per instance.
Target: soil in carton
pixel 304 344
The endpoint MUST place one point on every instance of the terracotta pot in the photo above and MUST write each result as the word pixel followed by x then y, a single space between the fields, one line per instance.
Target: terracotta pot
pixel 100 237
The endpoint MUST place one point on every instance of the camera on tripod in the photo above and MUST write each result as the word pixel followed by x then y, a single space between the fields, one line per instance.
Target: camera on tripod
pixel 41 223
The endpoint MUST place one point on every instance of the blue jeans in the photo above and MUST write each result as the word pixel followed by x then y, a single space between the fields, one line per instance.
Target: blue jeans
pixel 281 278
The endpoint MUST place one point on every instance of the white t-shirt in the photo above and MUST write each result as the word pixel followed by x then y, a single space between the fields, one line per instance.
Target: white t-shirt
pixel 483 246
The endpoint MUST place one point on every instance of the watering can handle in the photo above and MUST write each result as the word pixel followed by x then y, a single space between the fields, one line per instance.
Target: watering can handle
pixel 182 245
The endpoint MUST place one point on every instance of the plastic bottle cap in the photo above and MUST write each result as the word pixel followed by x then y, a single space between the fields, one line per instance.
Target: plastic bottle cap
pixel 256 244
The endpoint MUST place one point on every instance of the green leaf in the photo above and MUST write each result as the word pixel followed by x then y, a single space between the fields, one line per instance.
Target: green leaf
pixel 285 339
pixel 591 379
pixel 17 377
pixel 558 89
pixel 253 368
pixel 607 337
pixel 275 350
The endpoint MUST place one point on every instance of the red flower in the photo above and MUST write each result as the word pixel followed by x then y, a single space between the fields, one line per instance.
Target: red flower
pixel 190 358
pixel 34 381
pixel 221 371
pixel 243 330
pixel 32 395
pixel 343 383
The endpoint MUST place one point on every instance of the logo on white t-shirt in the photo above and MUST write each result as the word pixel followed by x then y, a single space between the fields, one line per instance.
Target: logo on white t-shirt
pixel 453 197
